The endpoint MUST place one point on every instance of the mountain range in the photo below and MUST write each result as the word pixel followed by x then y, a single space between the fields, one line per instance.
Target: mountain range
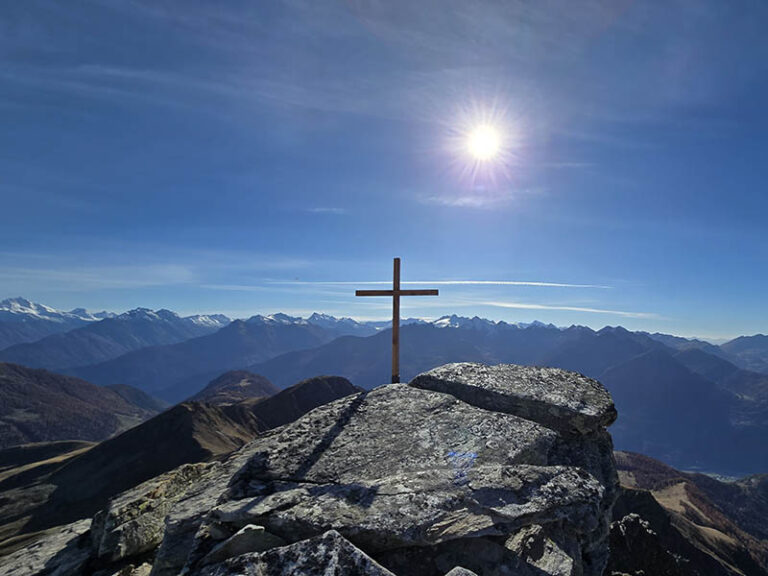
pixel 688 402
pixel 111 337
pixel 25 321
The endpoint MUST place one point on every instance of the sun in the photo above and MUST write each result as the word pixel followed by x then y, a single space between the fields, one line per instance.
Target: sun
pixel 484 143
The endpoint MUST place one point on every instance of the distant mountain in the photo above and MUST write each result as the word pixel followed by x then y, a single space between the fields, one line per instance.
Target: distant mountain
pixel 235 386
pixel 683 344
pixel 293 402
pixel 677 523
pixel 177 371
pixel 110 338
pixel 40 406
pixel 24 321
pixel 749 352
pixel 672 413
pixel 187 433
pixel 366 361
pixel 140 398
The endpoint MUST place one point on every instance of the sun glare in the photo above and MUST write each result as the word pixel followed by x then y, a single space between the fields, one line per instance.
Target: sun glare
pixel 484 143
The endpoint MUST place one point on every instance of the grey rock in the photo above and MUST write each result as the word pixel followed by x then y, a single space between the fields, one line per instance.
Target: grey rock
pixel 459 571
pixel 130 570
pixel 545 551
pixel 60 552
pixel 562 400
pixel 327 555
pixel 134 522
pixel 186 529
pixel 401 467
pixel 248 539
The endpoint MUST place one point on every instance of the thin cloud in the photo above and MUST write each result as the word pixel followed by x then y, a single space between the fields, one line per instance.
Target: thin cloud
pixel 479 199
pixel 528 306
pixel 328 210
pixel 98 277
pixel 450 283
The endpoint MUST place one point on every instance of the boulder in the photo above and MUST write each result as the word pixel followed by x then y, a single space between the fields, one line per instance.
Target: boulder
pixel 248 539
pixel 459 571
pixel 636 549
pixel 134 522
pixel 60 552
pixel 326 555
pixel 402 471
pixel 562 400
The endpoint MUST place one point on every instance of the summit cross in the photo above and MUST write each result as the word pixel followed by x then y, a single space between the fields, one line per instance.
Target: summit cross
pixel 396 292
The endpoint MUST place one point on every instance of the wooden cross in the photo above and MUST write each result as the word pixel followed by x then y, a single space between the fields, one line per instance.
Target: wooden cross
pixel 396 293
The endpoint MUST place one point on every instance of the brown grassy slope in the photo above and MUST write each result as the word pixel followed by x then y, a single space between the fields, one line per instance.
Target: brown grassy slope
pixel 40 406
pixel 236 386
pixel 701 510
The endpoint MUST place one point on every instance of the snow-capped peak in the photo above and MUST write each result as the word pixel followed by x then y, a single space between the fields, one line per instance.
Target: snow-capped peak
pixel 21 309
pixel 326 320
pixel 148 315
pixel 210 320
pixel 455 321
pixel 278 318
pixel 281 318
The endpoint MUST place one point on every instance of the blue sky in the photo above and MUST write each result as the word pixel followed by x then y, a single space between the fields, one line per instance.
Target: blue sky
pixel 247 157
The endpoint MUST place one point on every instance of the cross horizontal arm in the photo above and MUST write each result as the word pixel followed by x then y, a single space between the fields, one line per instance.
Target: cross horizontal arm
pixel 418 292
pixel 396 292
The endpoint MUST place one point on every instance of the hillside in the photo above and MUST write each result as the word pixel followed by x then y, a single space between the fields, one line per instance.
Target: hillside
pixel 749 352
pixel 707 526
pixel 40 406
pixel 235 386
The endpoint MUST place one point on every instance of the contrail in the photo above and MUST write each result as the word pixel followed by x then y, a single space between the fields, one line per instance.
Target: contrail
pixel 451 283
pixel 523 306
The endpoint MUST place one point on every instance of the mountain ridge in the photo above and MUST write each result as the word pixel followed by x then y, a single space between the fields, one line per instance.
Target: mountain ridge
pixel 109 338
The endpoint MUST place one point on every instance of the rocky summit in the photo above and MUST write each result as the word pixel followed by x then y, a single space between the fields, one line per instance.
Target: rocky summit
pixel 468 469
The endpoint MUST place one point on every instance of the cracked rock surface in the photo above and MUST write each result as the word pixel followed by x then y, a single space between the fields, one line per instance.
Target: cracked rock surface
pixel 469 469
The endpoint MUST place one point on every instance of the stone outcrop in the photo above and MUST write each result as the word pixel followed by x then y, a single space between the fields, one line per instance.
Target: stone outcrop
pixel 561 400
pixel 61 552
pixel 325 555
pixel 636 550
pixel 469 469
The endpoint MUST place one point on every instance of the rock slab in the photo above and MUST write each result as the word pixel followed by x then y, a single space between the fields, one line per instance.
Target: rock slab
pixel 327 555
pixel 559 399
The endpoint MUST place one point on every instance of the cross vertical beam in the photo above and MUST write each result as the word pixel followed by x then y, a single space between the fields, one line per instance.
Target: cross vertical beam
pixel 396 321
pixel 396 292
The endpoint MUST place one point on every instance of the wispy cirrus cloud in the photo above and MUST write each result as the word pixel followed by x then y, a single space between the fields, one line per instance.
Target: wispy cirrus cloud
pixel 448 283
pixel 334 210
pixel 481 198
pixel 586 310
